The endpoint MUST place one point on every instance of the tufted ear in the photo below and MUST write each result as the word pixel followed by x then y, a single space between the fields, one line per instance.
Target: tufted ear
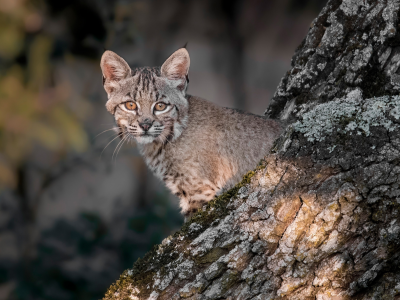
pixel 177 65
pixel 114 69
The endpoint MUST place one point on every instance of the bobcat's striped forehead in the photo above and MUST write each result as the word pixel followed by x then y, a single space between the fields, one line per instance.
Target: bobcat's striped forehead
pixel 145 80
pixel 145 85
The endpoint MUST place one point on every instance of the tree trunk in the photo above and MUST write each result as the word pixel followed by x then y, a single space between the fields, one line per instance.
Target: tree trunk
pixel 351 44
pixel 320 217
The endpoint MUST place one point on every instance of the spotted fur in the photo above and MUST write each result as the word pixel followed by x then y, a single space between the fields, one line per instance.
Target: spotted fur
pixel 197 148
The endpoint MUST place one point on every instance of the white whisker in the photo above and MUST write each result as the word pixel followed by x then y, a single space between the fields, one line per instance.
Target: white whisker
pixel 108 144
pixel 121 141
pixel 107 130
pixel 127 139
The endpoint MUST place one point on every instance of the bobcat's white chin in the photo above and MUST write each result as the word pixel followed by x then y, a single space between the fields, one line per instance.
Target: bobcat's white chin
pixel 145 139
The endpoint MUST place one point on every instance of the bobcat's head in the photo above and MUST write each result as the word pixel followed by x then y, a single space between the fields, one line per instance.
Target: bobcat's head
pixel 148 104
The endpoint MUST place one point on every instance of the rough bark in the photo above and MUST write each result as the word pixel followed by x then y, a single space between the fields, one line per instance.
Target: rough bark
pixel 320 217
pixel 352 43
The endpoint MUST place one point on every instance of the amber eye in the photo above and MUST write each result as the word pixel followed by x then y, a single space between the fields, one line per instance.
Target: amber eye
pixel 130 105
pixel 160 106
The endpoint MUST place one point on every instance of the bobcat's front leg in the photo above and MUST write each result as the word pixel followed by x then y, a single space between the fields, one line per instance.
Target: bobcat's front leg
pixel 193 206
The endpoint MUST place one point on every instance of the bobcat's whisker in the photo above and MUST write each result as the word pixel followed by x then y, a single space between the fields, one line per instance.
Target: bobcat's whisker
pixel 124 140
pixel 109 144
pixel 107 130
pixel 120 142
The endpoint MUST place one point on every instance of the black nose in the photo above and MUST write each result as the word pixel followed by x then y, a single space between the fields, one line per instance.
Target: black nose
pixel 146 124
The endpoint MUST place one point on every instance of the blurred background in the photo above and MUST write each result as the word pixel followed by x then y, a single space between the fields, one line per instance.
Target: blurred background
pixel 72 216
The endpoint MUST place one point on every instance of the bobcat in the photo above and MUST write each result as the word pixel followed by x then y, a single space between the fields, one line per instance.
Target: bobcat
pixel 196 147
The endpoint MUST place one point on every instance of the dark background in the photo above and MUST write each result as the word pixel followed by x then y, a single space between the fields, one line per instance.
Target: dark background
pixel 73 218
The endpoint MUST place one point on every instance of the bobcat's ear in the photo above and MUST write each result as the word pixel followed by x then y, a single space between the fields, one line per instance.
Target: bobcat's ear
pixel 177 65
pixel 114 69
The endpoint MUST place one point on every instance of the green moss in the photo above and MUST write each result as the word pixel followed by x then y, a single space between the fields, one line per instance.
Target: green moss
pixel 353 47
pixel 348 178
pixel 345 120
pixel 194 289
pixel 377 215
pixel 211 256
pixel 340 77
pixel 121 289
pixel 228 280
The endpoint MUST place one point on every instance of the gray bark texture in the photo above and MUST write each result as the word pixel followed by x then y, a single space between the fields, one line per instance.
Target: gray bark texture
pixel 320 217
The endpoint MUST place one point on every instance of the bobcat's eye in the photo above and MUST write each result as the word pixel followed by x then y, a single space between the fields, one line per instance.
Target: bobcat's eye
pixel 130 105
pixel 160 106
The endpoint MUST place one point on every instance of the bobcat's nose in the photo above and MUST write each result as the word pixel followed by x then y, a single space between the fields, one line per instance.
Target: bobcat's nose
pixel 146 124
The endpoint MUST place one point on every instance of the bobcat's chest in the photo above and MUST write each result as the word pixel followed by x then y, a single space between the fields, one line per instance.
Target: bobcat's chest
pixel 155 160
pixel 183 178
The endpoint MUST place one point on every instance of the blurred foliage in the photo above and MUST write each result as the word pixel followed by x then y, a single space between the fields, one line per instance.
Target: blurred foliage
pixel 43 122
pixel 34 107
pixel 71 255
